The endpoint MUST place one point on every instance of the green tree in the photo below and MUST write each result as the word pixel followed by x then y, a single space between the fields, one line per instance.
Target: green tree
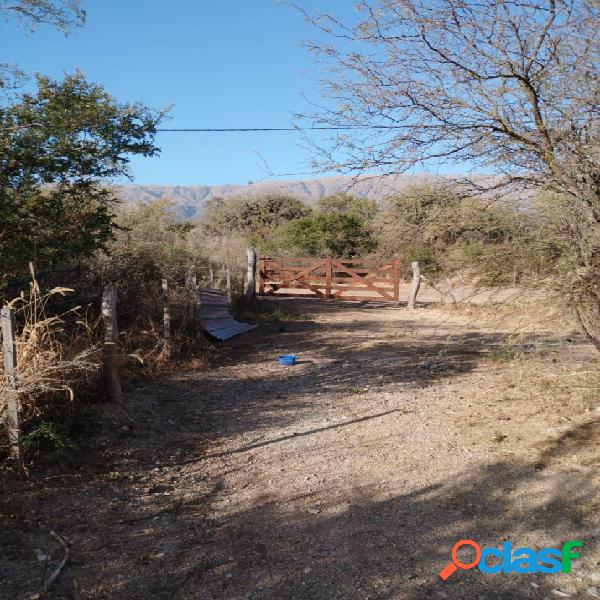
pixel 259 220
pixel 363 208
pixel 59 147
pixel 337 234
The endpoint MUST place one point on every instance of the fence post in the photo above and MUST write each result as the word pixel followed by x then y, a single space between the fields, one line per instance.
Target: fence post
pixel 397 280
pixel 191 281
pixel 211 277
pixel 9 349
pixel 328 276
pixel 111 339
pixel 228 283
pixel 166 309
pixel 414 286
pixel 250 291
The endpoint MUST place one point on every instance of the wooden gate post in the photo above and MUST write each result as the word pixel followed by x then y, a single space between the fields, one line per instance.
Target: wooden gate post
pixel 328 276
pixel 414 286
pixel 166 309
pixel 9 349
pixel 250 291
pixel 111 339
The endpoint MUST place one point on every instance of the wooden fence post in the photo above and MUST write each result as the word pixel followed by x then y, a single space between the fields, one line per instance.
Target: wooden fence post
pixel 250 291
pixel 190 281
pixel 414 286
pixel 111 340
pixel 9 349
pixel 211 277
pixel 328 276
pixel 228 283
pixel 166 309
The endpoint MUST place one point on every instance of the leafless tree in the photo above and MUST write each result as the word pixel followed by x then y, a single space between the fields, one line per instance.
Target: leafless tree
pixel 508 87
pixel 63 14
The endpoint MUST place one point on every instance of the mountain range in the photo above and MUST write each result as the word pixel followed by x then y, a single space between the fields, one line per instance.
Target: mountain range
pixel 190 200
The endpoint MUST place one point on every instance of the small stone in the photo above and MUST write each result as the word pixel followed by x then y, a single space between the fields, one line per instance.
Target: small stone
pixel 307 570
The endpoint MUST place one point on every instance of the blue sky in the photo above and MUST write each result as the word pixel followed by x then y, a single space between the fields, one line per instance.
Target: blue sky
pixel 229 63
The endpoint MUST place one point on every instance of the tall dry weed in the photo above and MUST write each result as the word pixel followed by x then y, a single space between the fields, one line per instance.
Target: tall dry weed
pixel 51 363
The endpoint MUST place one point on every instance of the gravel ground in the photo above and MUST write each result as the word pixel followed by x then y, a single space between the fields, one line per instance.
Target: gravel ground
pixel 350 475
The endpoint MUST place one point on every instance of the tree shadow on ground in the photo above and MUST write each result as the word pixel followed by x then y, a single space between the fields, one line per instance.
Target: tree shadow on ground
pixel 360 545
pixel 146 521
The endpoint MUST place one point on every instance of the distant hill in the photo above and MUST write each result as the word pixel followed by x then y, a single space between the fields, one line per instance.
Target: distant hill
pixel 191 199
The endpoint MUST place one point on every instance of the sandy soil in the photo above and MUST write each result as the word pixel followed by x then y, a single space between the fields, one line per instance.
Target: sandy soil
pixel 350 475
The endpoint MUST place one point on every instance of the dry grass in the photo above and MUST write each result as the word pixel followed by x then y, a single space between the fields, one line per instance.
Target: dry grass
pixel 51 364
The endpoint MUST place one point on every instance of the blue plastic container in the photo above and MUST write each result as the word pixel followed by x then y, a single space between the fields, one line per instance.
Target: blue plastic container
pixel 287 359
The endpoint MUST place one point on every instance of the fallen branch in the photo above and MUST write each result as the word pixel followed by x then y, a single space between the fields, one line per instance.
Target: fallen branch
pixel 54 575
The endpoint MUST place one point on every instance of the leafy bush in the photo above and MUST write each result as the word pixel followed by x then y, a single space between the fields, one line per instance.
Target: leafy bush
pixel 53 204
pixel 338 234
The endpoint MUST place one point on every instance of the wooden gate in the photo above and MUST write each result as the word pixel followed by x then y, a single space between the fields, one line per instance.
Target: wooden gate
pixel 357 279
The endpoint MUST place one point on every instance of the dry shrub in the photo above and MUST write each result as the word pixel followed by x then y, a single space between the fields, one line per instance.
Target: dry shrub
pixel 52 364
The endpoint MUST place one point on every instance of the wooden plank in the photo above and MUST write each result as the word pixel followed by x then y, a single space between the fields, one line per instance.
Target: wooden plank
pixel 327 277
pixel 369 285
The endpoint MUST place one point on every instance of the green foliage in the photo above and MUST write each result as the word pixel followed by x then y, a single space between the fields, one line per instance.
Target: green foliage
pixel 251 216
pixel 362 208
pixel 258 221
pixel 57 147
pixel 334 233
pixel 48 436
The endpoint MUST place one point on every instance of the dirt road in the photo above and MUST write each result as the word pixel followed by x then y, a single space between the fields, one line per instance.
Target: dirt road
pixel 348 476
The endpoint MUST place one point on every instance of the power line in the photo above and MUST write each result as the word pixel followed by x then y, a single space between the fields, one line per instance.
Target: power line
pixel 246 129
pixel 239 129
